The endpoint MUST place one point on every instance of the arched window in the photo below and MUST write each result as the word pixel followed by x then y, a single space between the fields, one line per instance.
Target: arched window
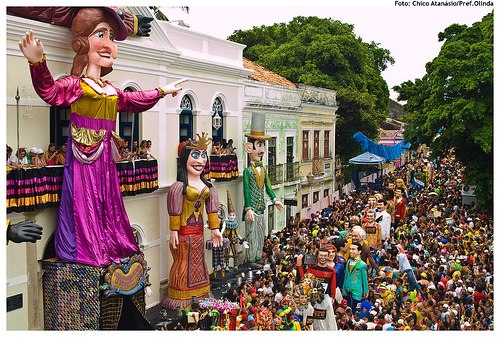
pixel 129 124
pixel 186 119
pixel 217 121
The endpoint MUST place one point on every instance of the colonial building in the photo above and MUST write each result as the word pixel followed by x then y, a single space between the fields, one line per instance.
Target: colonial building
pixel 317 154
pixel 222 92
pixel 279 99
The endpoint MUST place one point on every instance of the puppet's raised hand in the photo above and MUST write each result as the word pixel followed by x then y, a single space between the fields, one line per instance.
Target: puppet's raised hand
pixel 31 48
pixel 144 25
pixel 172 88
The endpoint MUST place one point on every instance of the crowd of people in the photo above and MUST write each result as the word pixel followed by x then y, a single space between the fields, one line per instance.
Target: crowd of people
pixel 138 152
pixel 36 157
pixel 56 154
pixel 404 258
pixel 224 147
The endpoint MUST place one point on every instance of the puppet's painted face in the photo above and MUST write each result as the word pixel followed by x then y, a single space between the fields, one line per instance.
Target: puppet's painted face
pixel 354 252
pixel 258 150
pixel 231 217
pixel 102 49
pixel 196 162
pixel 322 258
pixel 331 254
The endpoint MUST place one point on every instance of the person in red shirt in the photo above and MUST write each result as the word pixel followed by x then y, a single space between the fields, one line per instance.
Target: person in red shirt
pixel 321 270
pixel 324 316
pixel 479 296
pixel 51 155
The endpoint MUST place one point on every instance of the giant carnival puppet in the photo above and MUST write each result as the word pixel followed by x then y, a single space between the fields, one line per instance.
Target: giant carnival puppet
pixel 93 229
pixel 324 315
pixel 256 185
pixel 187 199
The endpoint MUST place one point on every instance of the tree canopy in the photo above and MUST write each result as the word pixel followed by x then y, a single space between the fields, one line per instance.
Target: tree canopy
pixel 326 53
pixel 452 105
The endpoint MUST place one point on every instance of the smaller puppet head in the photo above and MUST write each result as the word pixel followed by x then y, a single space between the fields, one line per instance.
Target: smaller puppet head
pixel 256 139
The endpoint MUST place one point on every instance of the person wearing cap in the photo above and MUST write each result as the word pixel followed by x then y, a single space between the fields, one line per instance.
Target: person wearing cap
pixel 92 225
pixel 41 157
pixel 33 157
pixel 256 185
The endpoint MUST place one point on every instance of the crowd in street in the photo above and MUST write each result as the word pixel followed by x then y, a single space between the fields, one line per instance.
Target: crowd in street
pixel 428 262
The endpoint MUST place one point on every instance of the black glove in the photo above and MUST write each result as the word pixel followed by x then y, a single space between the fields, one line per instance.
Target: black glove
pixel 144 26
pixel 25 231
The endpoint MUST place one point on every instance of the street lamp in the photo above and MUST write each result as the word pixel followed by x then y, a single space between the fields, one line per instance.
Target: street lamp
pixel 216 121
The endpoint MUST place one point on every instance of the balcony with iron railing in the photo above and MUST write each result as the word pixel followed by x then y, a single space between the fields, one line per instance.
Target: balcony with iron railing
pixel 275 173
pixel 318 166
pixel 35 188
pixel 292 172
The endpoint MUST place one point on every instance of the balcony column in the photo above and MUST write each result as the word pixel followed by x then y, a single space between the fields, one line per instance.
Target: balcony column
pixel 34 280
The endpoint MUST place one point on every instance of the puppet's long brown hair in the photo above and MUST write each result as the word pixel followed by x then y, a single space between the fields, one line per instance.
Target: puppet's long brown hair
pixel 82 26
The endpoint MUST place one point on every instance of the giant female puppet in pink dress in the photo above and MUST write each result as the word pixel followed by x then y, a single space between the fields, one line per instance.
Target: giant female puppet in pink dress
pixel 92 225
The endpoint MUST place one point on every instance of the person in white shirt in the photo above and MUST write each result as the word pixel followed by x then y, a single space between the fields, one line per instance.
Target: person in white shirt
pixel 405 267
pixel 20 158
pixel 384 219
pixel 388 322
pixel 9 155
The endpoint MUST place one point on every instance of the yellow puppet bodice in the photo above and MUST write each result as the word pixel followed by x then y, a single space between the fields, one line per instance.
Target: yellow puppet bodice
pixel 95 105
pixel 193 206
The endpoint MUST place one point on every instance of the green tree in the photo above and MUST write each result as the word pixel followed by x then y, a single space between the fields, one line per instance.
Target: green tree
pixel 452 105
pixel 326 53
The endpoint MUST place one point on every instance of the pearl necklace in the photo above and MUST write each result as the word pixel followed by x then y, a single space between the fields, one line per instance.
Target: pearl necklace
pixel 97 81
